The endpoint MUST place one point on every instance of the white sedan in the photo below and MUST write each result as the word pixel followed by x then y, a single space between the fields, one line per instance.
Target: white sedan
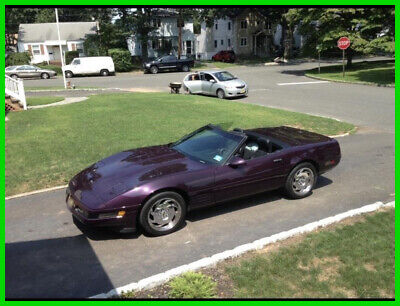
pixel 215 83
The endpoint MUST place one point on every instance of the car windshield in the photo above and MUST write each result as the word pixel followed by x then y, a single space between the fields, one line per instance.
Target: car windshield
pixel 10 68
pixel 224 76
pixel 209 145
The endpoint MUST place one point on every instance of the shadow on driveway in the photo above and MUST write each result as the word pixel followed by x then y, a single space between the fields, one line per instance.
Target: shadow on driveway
pixel 53 268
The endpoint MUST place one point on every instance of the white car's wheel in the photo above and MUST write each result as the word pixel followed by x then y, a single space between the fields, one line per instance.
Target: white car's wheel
pixel 220 94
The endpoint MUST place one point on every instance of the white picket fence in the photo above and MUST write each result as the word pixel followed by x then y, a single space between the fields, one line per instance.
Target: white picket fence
pixel 15 88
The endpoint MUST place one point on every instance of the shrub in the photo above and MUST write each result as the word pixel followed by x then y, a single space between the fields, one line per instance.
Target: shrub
pixel 192 285
pixel 70 55
pixel 50 67
pixel 122 59
pixel 19 58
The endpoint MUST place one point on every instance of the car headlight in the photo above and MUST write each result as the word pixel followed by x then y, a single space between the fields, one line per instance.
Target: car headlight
pixel 147 65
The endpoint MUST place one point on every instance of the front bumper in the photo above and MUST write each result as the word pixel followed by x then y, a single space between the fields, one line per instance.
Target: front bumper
pixel 100 218
pixel 237 92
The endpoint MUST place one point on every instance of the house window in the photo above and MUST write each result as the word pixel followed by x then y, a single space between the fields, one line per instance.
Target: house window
pixel 215 43
pixel 188 47
pixel 157 23
pixel 79 48
pixel 229 42
pixel 243 24
pixel 243 41
pixel 36 49
pixel 268 25
pixel 229 25
pixel 216 25
pixel 222 42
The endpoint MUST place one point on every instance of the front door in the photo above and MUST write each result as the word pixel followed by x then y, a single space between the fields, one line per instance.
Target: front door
pixel 257 175
pixel 208 84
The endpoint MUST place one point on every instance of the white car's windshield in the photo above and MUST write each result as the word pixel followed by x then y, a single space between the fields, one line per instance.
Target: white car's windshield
pixel 209 145
pixel 224 76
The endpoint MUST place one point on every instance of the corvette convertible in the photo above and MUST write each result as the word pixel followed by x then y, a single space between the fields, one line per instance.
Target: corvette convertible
pixel 154 187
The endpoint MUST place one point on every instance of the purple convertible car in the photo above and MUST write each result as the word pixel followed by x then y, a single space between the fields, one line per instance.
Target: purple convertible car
pixel 154 187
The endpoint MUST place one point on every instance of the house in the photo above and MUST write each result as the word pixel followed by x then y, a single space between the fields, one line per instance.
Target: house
pixel 41 39
pixel 164 40
pixel 248 34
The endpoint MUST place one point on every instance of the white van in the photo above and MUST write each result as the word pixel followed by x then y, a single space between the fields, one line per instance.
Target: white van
pixel 100 65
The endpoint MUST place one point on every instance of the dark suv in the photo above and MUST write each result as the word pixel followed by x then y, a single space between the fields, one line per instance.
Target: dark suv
pixel 224 56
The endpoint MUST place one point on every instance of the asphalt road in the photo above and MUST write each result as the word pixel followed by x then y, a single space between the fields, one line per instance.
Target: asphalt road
pixel 47 256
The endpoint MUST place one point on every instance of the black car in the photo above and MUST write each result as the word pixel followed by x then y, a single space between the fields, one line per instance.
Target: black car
pixel 169 62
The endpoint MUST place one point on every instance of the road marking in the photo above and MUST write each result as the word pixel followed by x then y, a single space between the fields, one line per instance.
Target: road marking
pixel 261 89
pixel 158 279
pixel 302 83
pixel 35 192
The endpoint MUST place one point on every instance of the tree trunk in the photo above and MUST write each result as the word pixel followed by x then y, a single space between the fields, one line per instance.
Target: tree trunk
pixel 179 42
pixel 144 42
pixel 349 54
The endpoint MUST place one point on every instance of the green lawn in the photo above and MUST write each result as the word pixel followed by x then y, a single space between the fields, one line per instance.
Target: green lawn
pixel 41 100
pixel 351 261
pixel 377 73
pixel 46 147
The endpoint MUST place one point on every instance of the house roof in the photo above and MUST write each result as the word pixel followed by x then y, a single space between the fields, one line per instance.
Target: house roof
pixel 39 32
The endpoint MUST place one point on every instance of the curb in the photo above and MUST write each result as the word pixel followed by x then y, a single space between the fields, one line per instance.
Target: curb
pixel 158 279
pixel 35 192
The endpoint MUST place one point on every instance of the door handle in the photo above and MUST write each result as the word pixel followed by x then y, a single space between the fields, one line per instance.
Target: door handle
pixel 277 160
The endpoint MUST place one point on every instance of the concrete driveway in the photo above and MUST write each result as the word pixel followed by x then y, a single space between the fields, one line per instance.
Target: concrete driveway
pixel 47 256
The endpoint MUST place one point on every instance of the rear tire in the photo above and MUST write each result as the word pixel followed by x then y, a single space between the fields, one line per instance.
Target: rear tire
pixel 163 213
pixel 301 181
pixel 220 94
pixel 68 74
pixel 45 76
pixel 104 72
pixel 185 68
pixel 14 76
pixel 154 69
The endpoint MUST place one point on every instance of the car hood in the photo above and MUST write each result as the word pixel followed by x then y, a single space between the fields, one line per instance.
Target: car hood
pixel 124 171
pixel 234 83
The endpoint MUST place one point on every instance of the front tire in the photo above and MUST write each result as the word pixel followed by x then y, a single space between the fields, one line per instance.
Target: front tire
pixel 14 76
pixel 154 69
pixel 185 68
pixel 301 181
pixel 163 213
pixel 220 94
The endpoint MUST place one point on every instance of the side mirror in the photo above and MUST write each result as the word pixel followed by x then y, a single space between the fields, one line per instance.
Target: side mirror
pixel 212 81
pixel 237 162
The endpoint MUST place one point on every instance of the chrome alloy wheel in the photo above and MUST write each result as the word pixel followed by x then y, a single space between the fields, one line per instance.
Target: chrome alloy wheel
pixel 303 181
pixel 164 214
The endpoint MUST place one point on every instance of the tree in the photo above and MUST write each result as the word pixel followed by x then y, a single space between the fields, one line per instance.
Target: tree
pixel 370 30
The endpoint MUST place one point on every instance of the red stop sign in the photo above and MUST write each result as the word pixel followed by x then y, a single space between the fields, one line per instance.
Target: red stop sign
pixel 343 43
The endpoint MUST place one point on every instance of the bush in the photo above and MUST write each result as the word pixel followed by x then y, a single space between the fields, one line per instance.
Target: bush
pixel 122 59
pixel 50 67
pixel 21 58
pixel 192 285
pixel 70 55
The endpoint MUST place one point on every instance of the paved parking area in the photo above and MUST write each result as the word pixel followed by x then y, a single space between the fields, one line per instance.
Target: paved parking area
pixel 48 257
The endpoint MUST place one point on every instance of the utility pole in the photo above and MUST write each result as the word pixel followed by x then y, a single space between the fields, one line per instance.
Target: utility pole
pixel 61 52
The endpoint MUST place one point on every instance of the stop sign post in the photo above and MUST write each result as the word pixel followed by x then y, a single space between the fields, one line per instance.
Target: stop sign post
pixel 343 43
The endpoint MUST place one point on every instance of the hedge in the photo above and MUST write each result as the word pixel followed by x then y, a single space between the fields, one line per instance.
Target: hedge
pixel 70 55
pixel 19 58
pixel 122 59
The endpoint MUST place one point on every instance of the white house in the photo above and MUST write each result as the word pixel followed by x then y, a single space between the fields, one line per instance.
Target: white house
pixel 41 39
